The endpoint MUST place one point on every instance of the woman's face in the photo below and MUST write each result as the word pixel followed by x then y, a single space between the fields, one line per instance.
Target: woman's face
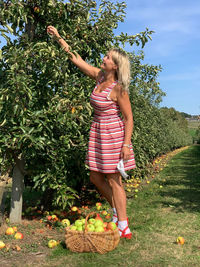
pixel 108 64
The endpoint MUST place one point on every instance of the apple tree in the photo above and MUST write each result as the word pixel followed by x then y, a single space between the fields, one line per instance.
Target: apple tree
pixel 45 113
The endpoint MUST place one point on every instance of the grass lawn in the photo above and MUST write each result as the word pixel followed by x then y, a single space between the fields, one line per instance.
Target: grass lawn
pixel 167 207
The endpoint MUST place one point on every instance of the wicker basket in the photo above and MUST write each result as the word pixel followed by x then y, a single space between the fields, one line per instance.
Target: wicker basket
pixel 84 241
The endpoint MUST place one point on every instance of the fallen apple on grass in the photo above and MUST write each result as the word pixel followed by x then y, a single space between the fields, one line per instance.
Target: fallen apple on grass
pixel 15 228
pixel 2 244
pixel 52 243
pixel 10 231
pixel 18 235
pixel 180 240
pixel 104 212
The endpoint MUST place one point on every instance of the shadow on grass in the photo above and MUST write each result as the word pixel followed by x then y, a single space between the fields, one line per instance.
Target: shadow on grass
pixel 182 187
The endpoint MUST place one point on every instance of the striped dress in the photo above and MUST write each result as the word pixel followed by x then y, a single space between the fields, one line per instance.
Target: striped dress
pixel 106 134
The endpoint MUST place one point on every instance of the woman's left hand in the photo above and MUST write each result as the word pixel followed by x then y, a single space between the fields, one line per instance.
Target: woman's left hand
pixel 125 153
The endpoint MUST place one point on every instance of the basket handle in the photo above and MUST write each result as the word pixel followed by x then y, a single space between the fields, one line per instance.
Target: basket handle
pixel 86 219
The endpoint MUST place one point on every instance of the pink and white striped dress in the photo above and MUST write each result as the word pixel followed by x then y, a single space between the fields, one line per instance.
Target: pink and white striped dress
pixel 106 134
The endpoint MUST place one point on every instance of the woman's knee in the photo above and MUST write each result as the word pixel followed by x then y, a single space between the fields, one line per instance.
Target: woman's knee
pixel 114 179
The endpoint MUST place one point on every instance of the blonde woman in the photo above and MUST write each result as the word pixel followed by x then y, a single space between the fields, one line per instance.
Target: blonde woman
pixel 110 135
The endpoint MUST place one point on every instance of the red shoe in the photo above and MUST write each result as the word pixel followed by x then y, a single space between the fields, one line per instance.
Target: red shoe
pixel 123 235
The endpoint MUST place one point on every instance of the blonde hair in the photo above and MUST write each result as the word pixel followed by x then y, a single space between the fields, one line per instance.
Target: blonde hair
pixel 121 59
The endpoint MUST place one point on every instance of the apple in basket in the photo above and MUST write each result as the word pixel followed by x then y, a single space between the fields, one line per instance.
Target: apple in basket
pixel 79 228
pixel 78 223
pixel 111 226
pixel 91 221
pixel 90 228
pixel 99 228
pixel 73 227
pixel 98 223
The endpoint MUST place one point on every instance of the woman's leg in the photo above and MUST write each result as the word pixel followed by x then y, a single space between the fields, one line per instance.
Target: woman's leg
pixel 119 195
pixel 119 198
pixel 98 179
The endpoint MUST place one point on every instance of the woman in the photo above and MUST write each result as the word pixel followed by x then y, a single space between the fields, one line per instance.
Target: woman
pixel 110 136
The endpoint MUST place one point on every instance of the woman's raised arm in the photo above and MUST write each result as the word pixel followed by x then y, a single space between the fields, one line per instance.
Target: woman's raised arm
pixel 86 68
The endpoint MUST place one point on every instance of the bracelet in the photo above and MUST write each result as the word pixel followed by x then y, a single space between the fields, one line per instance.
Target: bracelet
pixel 126 145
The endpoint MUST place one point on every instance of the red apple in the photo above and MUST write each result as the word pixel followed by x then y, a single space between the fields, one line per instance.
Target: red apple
pixel 49 218
pixel 111 226
pixel 18 235
pixel 104 212
pixel 180 240
pixel 15 228
pixel 98 217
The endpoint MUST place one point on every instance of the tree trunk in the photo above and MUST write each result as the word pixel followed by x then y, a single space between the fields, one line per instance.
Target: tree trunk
pixel 17 191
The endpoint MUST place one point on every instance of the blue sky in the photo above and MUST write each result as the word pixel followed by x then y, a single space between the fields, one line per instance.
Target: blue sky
pixel 175 46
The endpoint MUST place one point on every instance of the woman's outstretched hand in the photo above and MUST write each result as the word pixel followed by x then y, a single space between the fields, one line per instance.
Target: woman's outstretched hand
pixel 53 31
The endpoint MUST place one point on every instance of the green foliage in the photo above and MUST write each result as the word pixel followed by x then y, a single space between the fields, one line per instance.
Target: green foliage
pixel 44 109
pixel 156 131
pixel 44 99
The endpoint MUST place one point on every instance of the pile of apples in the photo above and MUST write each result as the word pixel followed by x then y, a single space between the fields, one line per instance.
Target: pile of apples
pixel 93 225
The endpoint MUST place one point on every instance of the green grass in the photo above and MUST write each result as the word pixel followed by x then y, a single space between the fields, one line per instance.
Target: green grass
pixel 157 217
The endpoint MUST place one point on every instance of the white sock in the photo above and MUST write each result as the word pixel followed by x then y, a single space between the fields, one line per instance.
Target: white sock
pixel 122 225
pixel 114 218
